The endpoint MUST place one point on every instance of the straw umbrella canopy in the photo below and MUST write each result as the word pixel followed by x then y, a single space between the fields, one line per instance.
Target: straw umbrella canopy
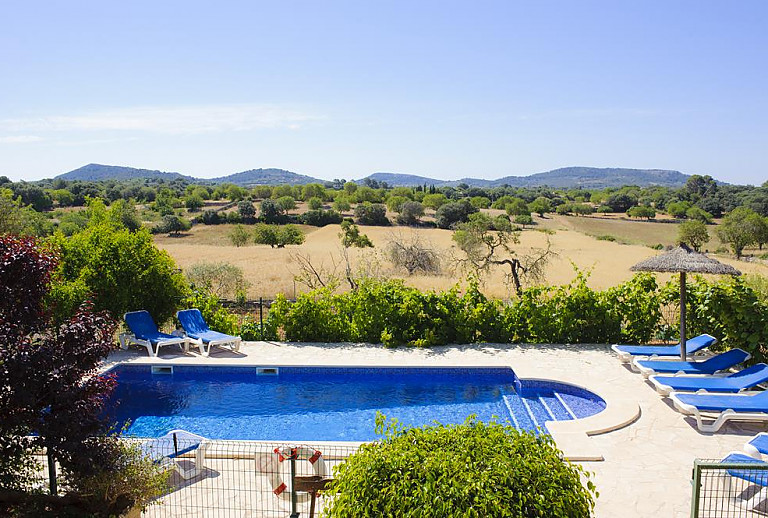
pixel 683 259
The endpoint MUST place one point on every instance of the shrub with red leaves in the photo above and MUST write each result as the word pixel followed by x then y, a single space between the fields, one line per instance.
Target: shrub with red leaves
pixel 49 394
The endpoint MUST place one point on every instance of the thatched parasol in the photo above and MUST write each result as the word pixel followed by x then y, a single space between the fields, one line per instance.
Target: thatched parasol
pixel 684 260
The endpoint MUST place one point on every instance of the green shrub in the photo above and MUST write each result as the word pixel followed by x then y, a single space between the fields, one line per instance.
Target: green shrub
pixel 605 237
pixel 220 278
pixel 133 481
pixel 252 331
pixel 473 469
pixel 394 314
pixel 238 236
pixel 277 235
pixel 729 310
pixel 320 217
pixel 524 219
pixel 314 317
pixel 564 314
pixel 367 213
pixel 119 270
pixel 315 203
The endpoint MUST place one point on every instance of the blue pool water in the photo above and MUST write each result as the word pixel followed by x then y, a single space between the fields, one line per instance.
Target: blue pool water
pixel 332 404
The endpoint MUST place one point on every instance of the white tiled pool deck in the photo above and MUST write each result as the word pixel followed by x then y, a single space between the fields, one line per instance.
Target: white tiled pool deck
pixel 647 463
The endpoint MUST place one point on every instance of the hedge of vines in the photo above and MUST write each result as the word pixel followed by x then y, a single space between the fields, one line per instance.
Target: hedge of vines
pixel 392 313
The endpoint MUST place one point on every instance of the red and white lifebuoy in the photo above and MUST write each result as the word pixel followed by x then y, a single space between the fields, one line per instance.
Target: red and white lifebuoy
pixel 271 466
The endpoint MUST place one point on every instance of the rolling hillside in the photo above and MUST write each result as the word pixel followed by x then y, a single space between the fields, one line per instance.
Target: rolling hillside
pixel 567 177
pixel 99 172
pixel 265 177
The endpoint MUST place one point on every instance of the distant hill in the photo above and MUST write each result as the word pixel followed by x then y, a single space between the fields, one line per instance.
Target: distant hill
pixel 99 172
pixel 266 177
pixel 567 177
pixel 404 180
pixel 564 178
pixel 596 178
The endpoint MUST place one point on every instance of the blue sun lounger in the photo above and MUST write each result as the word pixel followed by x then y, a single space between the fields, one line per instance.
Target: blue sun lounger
pixel 143 331
pixel 201 335
pixel 733 382
pixel 722 408
pixel 757 446
pixel 168 449
pixel 719 362
pixel 626 352
pixel 757 476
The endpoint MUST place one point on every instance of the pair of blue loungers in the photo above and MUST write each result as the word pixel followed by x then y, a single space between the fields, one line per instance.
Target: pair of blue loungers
pixel 143 331
pixel 696 387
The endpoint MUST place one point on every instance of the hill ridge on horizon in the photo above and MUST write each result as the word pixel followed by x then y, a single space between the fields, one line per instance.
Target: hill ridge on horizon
pixel 564 177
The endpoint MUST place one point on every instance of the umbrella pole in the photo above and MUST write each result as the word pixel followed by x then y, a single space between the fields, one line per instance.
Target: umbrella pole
pixel 682 316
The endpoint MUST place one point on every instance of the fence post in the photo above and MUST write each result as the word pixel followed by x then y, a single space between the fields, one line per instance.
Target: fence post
pixel 294 454
pixel 696 489
pixel 261 318
pixel 52 472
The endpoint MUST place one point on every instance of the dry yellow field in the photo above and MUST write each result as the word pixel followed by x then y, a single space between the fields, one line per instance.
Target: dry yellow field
pixel 637 232
pixel 271 271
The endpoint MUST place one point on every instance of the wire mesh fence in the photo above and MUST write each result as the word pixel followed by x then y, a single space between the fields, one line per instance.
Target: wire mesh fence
pixel 246 478
pixel 729 488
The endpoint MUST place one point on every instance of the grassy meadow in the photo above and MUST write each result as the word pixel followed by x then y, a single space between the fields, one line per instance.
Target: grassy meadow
pixel 271 271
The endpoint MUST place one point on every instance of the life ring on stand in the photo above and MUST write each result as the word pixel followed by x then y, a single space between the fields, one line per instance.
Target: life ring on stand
pixel 272 468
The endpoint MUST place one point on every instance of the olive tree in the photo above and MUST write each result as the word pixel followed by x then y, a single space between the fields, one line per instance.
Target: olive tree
pixel 693 233
pixel 488 243
pixel 410 213
pixel 223 280
pixel 740 228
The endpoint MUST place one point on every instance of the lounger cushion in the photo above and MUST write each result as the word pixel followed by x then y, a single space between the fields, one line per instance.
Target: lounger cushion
pixel 143 327
pixel 760 443
pixel 735 382
pixel 195 326
pixel 691 346
pixel 711 365
pixel 757 476
pixel 722 402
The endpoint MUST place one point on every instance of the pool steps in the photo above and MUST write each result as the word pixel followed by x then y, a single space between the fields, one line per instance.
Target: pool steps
pixel 567 408
pixel 534 412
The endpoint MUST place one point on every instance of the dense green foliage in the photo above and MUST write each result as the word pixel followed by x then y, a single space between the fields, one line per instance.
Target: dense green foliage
pixel 743 227
pixel 730 310
pixel 633 312
pixel 219 278
pixel 641 211
pixel 392 313
pixel 453 213
pixel 367 213
pixel 320 217
pixel 277 235
pixel 693 233
pixel 410 213
pixel 469 470
pixel 118 270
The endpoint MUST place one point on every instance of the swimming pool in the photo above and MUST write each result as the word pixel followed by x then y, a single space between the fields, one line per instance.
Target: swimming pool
pixel 331 403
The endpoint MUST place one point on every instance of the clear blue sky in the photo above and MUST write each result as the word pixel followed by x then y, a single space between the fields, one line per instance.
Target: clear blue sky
pixel 345 89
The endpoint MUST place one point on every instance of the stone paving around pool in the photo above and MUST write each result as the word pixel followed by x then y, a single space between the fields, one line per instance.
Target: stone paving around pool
pixel 646 466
